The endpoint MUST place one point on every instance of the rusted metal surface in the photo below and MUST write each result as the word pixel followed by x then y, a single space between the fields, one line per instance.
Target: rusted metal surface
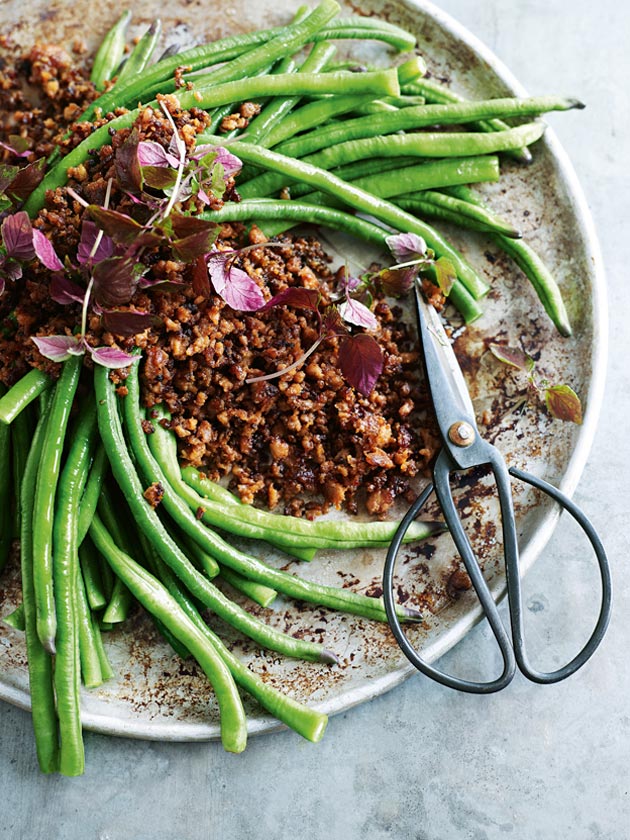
pixel 156 695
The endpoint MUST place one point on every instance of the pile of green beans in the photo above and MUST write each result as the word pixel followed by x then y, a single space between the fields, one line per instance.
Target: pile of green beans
pixel 368 153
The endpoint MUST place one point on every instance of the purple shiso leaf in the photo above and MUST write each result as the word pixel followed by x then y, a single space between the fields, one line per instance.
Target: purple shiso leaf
pixel 159 177
pixel 89 235
pixel 127 166
pixel 236 287
pixel 58 348
pixel 564 404
pixel 176 148
pixel 230 163
pixel 445 275
pixel 26 179
pixel 355 312
pixel 397 281
pixel 513 356
pixel 349 284
pixel 295 296
pixel 45 252
pixel 7 174
pixel 17 236
pixel 12 148
pixel 332 323
pixel 111 357
pixel 126 323
pixel 406 246
pixel 115 281
pixel 121 227
pixel 200 278
pixel 151 153
pixel 361 362
pixel 64 291
pixel 10 269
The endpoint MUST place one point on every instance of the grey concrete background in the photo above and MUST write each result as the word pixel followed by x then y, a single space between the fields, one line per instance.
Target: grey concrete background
pixel 423 762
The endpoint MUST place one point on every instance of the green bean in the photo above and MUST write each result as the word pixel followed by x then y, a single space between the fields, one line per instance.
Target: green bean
pixel 149 555
pixel 385 81
pixel 88 651
pixel 201 558
pixel 248 64
pixel 119 604
pixel 422 116
pixel 209 498
pixel 262 595
pixel 315 114
pixel 89 561
pixel 66 576
pixel 155 599
pixel 534 268
pixel 307 722
pixel 384 183
pixel 160 75
pixel 279 107
pixel 376 166
pixel 141 54
pixel 110 53
pixel 376 106
pixel 107 672
pixel 40 664
pixel 92 492
pixel 420 144
pixel 312 114
pixel 21 436
pixel 148 520
pixel 120 530
pixel 291 212
pixel 541 279
pixel 6 491
pixel 366 28
pixel 16 618
pixel 264 209
pixel 363 201
pixel 451 209
pixel 434 92
pixel 219 114
pixel 286 65
pixel 25 390
pixel 44 502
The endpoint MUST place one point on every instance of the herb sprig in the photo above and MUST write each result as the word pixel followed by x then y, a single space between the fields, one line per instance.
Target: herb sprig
pixel 560 399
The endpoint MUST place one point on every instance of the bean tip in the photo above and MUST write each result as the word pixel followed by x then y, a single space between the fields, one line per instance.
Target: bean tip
pixel 411 614
pixel 328 657
pixel 49 646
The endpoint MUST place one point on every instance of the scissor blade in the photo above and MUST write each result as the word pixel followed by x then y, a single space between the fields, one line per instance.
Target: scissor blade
pixel 445 376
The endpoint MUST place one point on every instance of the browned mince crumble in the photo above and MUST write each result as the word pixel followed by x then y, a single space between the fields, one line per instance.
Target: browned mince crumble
pixel 302 443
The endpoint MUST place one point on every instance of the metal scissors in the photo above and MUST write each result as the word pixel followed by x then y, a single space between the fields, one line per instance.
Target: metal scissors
pixel 463 448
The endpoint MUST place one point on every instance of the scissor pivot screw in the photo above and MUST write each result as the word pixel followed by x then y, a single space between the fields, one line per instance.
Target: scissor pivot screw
pixel 461 434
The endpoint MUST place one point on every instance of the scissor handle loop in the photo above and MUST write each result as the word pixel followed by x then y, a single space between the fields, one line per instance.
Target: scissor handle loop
pixel 513 653
pixel 514 591
pixel 441 474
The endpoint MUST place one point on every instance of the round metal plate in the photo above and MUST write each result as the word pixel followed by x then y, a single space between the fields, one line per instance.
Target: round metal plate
pixel 155 695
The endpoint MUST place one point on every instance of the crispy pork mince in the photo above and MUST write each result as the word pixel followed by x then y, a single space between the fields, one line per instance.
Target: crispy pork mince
pixel 301 443
pixel 306 441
